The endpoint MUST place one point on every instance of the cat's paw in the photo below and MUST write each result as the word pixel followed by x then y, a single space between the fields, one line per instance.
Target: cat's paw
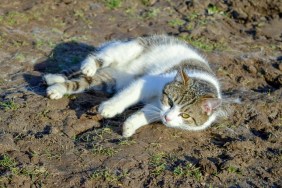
pixel 88 66
pixel 108 109
pixel 51 79
pixel 128 129
pixel 56 91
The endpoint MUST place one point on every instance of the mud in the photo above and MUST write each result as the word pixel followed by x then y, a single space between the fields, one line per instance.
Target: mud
pixel 65 143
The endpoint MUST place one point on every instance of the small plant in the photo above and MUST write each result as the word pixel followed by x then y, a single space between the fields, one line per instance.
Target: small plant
pixel 101 150
pixel 204 44
pixel 13 18
pixel 212 9
pixel 151 13
pixel 51 155
pixel 126 142
pixel 112 4
pixel 9 164
pixel 233 170
pixel 176 22
pixel 193 16
pixel 188 170
pixel 108 175
pixel 158 163
pixel 9 105
pixel 20 57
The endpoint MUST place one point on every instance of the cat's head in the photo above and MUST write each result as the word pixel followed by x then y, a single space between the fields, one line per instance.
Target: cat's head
pixel 188 102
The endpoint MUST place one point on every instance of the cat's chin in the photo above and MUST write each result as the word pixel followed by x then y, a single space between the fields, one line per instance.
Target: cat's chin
pixel 170 124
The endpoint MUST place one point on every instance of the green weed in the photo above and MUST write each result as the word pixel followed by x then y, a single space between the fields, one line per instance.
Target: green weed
pixel 9 105
pixel 126 142
pixel 108 175
pixel 113 4
pixel 212 9
pixel 101 150
pixel 20 57
pixel 204 44
pixel 40 43
pixel 193 16
pixel 10 165
pixel 233 170
pixel 51 155
pixel 13 18
pixel 188 170
pixel 176 22
pixel 80 14
pixel 158 163
pixel 151 13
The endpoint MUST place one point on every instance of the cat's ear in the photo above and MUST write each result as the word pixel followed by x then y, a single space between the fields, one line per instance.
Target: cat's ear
pixel 182 76
pixel 209 104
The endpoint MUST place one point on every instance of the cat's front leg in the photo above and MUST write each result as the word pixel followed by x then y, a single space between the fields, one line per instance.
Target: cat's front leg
pixel 110 108
pixel 122 100
pixel 141 118
pixel 89 66
pixel 139 90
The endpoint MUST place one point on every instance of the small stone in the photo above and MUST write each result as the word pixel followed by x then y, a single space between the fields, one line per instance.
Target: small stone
pixel 253 69
pixel 280 66
pixel 55 130
pixel 34 160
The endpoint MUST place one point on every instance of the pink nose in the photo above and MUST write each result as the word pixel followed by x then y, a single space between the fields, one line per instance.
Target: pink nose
pixel 167 118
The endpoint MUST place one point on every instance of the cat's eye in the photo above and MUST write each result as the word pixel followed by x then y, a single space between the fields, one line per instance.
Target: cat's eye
pixel 184 115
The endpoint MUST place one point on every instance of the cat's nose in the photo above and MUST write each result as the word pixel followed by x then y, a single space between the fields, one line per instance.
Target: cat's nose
pixel 167 118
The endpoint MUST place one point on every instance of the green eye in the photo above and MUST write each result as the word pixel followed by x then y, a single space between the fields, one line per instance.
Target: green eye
pixel 184 115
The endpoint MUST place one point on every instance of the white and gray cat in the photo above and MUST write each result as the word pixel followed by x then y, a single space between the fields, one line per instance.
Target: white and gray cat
pixel 174 82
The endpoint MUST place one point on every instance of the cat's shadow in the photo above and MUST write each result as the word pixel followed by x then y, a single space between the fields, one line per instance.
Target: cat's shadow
pixel 62 57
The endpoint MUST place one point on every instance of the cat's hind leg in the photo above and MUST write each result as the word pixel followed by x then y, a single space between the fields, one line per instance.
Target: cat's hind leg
pixel 148 114
pixel 106 80
pixel 51 79
pixel 116 53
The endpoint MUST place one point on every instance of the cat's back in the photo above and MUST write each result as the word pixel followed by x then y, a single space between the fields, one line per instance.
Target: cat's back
pixel 159 40
pixel 162 53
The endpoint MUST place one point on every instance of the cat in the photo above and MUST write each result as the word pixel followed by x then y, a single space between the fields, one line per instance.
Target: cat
pixel 175 83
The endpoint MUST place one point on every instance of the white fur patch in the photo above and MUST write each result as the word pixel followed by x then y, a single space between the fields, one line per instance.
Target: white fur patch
pixel 56 91
pixel 51 79
pixel 88 66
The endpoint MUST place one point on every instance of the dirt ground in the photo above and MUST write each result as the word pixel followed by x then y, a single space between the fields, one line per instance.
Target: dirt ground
pixel 64 143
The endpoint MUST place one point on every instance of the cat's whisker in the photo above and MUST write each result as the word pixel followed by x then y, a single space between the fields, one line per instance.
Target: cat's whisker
pixel 153 107
pixel 153 119
pixel 151 111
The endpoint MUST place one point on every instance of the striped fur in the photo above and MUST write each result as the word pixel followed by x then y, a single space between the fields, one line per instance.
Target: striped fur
pixel 174 81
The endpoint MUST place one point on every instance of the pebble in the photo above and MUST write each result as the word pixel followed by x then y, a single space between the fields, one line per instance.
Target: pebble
pixel 280 66
pixel 253 69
